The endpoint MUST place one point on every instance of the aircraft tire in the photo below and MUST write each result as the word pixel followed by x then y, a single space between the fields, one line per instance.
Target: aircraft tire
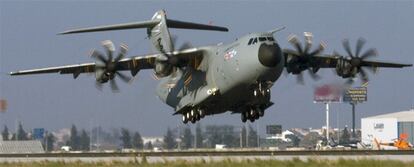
pixel 243 116
pixel 185 120
pixel 197 117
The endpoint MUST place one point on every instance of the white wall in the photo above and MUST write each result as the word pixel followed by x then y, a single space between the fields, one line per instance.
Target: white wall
pixel 383 129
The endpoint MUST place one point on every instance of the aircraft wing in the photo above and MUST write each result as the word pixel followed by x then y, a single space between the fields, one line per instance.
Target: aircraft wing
pixel 133 64
pixel 332 60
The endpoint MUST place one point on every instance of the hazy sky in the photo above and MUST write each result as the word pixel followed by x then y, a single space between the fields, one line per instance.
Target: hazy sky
pixel 28 40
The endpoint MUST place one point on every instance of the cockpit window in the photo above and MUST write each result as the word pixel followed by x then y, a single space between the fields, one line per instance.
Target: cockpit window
pixel 250 41
pixel 253 41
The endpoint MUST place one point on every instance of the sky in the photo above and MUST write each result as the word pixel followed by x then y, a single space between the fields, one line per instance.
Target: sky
pixel 28 40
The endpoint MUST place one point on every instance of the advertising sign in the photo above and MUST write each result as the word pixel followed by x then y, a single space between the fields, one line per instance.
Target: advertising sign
pixel 358 94
pixel 327 93
pixel 38 133
pixel 273 129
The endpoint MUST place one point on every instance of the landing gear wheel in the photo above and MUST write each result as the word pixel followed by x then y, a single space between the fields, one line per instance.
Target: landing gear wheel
pixel 243 116
pixel 193 120
pixel 188 116
pixel 261 112
pixel 192 113
pixel 201 113
pixel 256 115
pixel 251 119
pixel 185 120
pixel 197 117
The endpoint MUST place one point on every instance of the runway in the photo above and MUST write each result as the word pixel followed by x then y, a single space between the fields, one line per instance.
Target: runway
pixel 208 156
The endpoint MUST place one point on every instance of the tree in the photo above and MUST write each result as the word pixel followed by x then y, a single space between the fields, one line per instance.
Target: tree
pixel 169 140
pixel 74 140
pixel 5 133
pixel 137 142
pixel 199 136
pixel 187 138
pixel 345 137
pixel 149 145
pixel 252 137
pixel 125 138
pixel 84 141
pixel 21 134
pixel 294 139
pixel 310 140
pixel 49 141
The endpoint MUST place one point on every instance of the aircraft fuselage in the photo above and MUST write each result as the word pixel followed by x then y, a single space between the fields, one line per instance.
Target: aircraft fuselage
pixel 233 77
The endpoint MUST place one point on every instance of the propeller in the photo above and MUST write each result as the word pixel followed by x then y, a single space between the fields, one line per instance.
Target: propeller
pixel 356 59
pixel 304 58
pixel 107 68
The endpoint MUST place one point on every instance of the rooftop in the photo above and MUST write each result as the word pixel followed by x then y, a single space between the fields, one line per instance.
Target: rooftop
pixel 402 116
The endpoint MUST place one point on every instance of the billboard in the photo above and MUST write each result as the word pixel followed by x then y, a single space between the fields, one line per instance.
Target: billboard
pixel 273 129
pixel 327 93
pixel 358 94
pixel 38 133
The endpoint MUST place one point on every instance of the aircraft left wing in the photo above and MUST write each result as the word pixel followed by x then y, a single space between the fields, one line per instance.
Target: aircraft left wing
pixel 133 64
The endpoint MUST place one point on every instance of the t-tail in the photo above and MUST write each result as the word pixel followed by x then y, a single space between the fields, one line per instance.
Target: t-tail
pixel 157 29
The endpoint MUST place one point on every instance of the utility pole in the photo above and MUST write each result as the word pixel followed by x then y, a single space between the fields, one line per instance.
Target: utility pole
pixel 353 119
pixel 327 122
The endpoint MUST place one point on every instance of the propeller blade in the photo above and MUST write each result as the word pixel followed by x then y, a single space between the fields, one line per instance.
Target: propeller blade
pixel 109 47
pixel 363 75
pixel 359 45
pixel 174 40
pixel 313 75
pixel 349 81
pixel 98 55
pixel 98 85
pixel 295 42
pixel 300 79
pixel 345 43
pixel 370 53
pixel 308 41
pixel 123 77
pixel 122 53
pixel 114 86
pixel 185 45
pixel 319 50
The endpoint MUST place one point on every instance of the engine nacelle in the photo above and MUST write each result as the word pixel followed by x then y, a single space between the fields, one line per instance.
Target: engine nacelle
pixel 163 69
pixel 344 68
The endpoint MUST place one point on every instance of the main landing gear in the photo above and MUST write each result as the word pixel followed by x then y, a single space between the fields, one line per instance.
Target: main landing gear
pixel 253 114
pixel 193 115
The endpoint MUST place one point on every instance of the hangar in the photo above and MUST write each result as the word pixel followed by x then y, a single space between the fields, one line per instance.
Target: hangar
pixel 388 127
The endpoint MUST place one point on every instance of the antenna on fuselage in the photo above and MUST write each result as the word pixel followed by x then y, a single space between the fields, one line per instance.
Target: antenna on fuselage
pixel 277 30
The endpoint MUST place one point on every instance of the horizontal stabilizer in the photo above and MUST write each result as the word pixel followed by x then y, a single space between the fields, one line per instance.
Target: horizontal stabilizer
pixel 143 24
pixel 189 25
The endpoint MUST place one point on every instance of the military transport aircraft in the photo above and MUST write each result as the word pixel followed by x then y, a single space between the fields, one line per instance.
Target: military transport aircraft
pixel 207 80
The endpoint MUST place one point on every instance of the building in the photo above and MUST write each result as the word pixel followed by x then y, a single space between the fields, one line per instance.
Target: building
pixel 388 127
pixel 26 146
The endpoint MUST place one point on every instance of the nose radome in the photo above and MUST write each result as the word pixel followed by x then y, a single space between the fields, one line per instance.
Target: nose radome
pixel 269 55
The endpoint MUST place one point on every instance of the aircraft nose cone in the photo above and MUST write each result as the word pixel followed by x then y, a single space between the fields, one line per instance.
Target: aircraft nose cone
pixel 269 55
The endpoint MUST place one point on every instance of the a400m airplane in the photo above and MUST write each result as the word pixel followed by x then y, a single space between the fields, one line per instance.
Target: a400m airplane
pixel 207 80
